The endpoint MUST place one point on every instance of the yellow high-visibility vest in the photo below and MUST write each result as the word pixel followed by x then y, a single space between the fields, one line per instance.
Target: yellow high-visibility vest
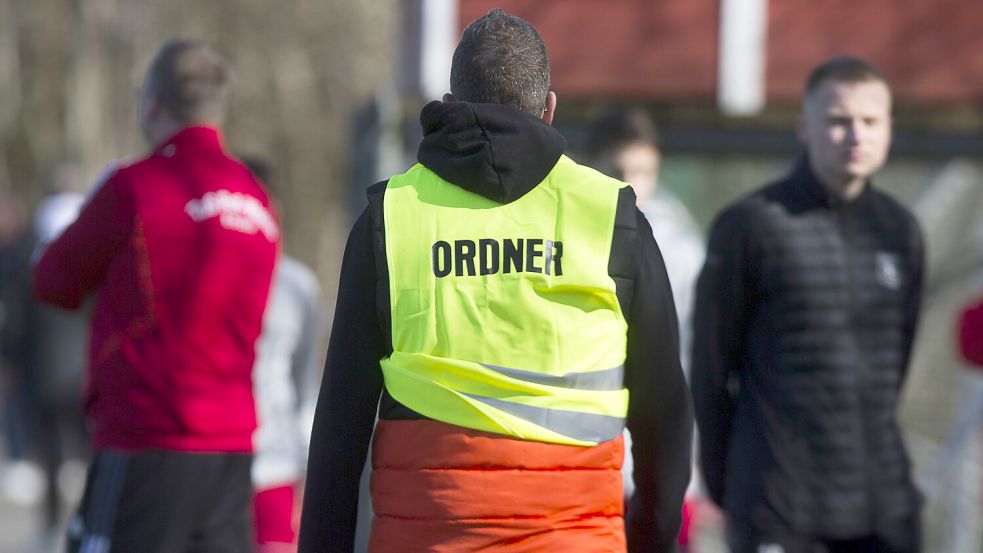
pixel 504 317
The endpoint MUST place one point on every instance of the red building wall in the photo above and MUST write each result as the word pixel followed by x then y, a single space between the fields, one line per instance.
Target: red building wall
pixel 931 50
pixel 656 49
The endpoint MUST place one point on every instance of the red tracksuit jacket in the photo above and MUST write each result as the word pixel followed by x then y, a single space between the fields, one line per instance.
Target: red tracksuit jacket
pixel 179 249
pixel 971 333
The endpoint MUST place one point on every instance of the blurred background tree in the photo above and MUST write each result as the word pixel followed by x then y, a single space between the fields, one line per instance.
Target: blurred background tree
pixel 70 70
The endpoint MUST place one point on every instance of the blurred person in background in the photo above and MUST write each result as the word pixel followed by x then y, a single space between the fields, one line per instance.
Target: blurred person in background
pixel 948 465
pixel 623 143
pixel 285 380
pixel 57 339
pixel 970 322
pixel 805 316
pixel 64 195
pixel 21 479
pixel 179 250
pixel 970 417
pixel 506 378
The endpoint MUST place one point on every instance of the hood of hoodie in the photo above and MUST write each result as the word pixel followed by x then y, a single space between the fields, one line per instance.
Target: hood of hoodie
pixel 493 150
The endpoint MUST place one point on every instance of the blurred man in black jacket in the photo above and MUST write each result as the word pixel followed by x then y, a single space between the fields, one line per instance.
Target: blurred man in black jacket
pixel 805 316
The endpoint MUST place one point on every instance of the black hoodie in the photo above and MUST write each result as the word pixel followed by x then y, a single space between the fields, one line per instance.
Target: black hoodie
pixel 500 153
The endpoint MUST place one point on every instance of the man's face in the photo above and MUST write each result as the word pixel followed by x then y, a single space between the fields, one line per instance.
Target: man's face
pixel 638 165
pixel 846 128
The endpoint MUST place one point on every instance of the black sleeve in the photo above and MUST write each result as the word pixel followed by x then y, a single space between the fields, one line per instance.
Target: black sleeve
pixel 719 326
pixel 659 409
pixel 346 405
pixel 913 300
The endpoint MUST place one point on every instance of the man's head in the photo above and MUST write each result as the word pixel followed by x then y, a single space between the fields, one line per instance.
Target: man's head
pixel 501 59
pixel 845 123
pixel 186 84
pixel 624 143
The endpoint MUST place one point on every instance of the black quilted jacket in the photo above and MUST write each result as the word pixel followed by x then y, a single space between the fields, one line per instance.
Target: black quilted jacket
pixel 805 316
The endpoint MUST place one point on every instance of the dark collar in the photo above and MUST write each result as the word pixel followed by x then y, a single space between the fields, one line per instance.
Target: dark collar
pixel 802 175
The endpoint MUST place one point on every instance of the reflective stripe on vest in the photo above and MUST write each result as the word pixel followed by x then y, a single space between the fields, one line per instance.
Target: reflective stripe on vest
pixel 504 316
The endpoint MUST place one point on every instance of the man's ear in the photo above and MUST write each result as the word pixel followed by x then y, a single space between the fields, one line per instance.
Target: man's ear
pixel 448 98
pixel 152 107
pixel 550 107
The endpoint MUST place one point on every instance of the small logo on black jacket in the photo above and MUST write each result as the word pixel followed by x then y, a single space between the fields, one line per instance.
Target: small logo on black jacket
pixel 888 269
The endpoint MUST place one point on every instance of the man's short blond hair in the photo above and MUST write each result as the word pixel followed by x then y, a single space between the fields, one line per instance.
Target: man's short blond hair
pixel 190 81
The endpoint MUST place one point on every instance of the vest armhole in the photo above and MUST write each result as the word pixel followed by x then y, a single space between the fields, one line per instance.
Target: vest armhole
pixel 388 408
pixel 621 262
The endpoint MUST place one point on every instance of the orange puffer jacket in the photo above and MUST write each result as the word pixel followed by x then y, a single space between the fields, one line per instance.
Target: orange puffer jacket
pixel 442 488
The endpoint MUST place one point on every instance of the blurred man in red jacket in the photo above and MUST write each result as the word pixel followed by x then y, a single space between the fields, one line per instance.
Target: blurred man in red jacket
pixel 178 249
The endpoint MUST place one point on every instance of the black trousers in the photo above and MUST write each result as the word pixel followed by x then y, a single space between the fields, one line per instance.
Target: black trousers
pixel 905 537
pixel 164 502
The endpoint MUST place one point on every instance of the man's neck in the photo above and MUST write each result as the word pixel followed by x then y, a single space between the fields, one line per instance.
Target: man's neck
pixel 162 132
pixel 846 190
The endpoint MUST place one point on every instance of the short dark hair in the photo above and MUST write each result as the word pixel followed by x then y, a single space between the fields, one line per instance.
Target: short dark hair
pixel 618 126
pixel 190 81
pixel 844 69
pixel 501 59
